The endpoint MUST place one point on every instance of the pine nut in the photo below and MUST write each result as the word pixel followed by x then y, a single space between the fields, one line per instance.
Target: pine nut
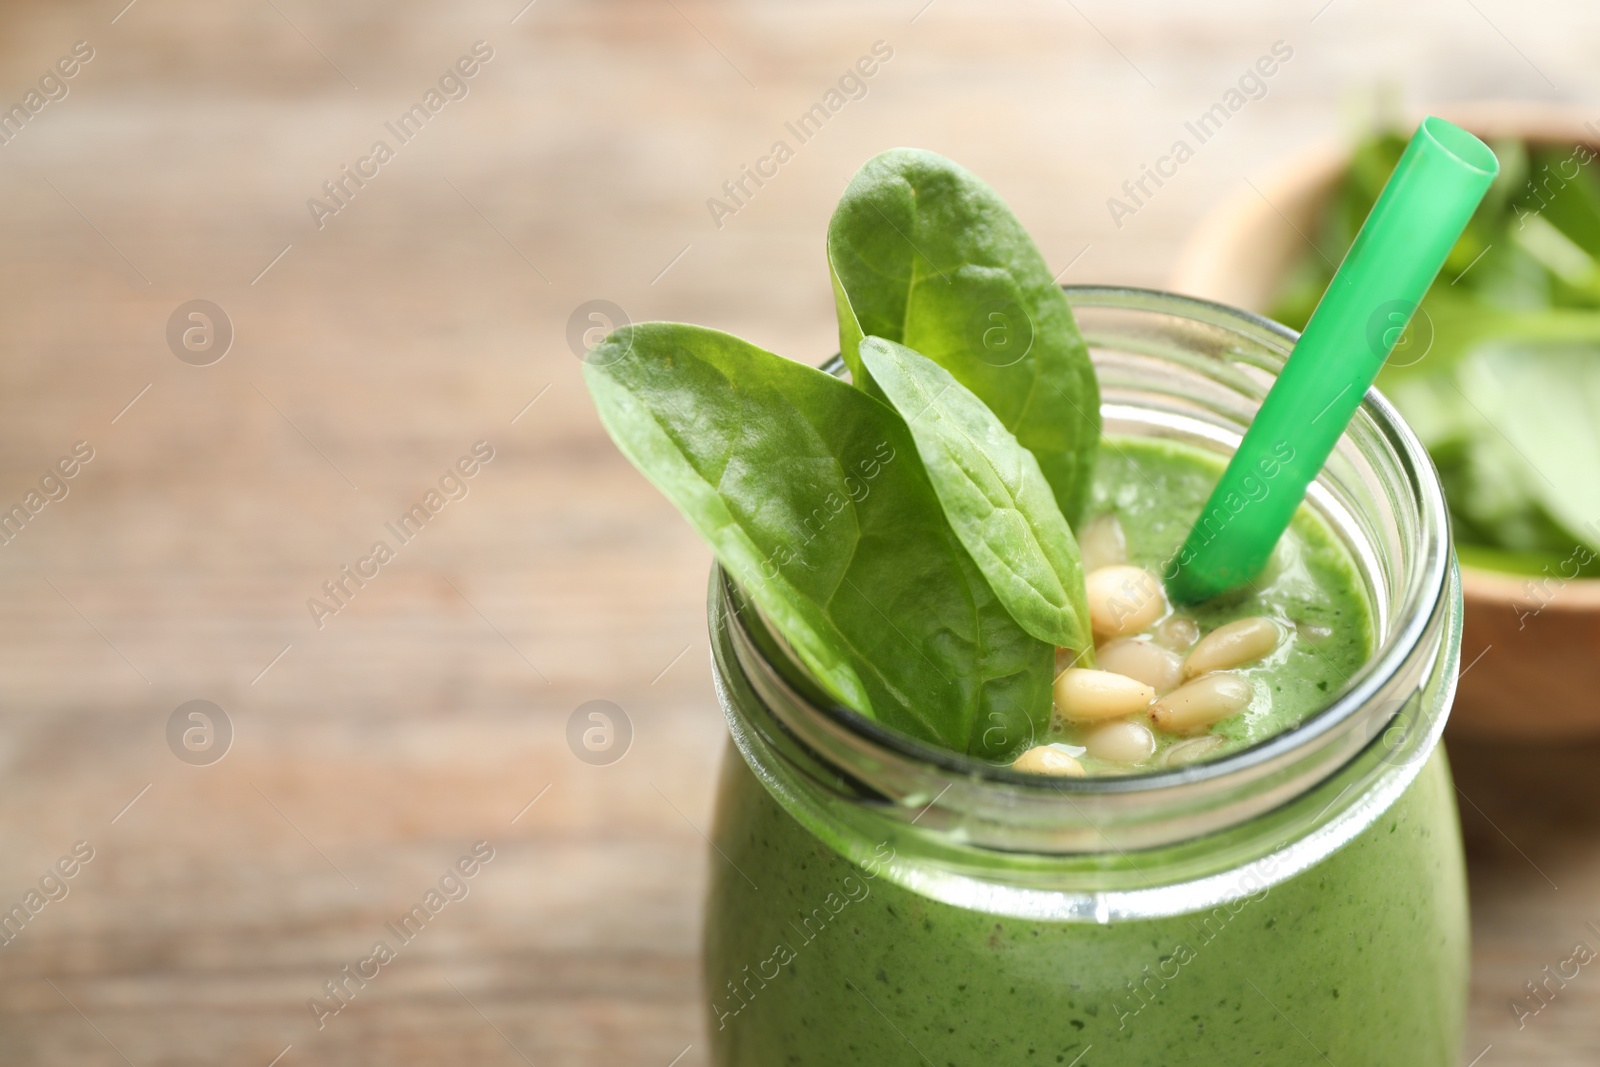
pixel 1121 742
pixel 1178 632
pixel 1047 760
pixel 1200 703
pixel 1103 542
pixel 1233 645
pixel 1191 751
pixel 1144 661
pixel 1123 600
pixel 1084 695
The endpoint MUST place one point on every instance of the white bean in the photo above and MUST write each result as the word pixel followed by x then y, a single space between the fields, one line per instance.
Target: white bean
pixel 1121 742
pixel 1123 600
pixel 1159 668
pixel 1177 632
pixel 1084 695
pixel 1047 760
pixel 1191 751
pixel 1233 645
pixel 1103 543
pixel 1200 703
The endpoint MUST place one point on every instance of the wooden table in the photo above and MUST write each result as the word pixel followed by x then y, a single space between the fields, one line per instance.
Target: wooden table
pixel 431 312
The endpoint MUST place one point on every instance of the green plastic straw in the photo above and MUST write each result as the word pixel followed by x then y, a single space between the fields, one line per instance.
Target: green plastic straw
pixel 1418 217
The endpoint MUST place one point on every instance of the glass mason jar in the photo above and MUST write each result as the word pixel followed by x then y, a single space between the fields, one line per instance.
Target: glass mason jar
pixel 878 901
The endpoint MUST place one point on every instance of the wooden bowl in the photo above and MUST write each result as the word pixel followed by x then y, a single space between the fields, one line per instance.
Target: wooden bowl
pixel 1530 654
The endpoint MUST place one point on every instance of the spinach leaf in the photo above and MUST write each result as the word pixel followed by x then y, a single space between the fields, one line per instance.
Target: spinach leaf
pixel 1545 402
pixel 811 495
pixel 1489 462
pixel 924 253
pixel 1490 490
pixel 993 493
pixel 1459 324
pixel 1565 191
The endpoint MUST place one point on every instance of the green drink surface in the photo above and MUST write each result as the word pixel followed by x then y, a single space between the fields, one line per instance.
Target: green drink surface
pixel 1156 489
pixel 810 960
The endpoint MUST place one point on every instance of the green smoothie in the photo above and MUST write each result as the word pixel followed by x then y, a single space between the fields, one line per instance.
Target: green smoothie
pixel 967 570
pixel 1361 960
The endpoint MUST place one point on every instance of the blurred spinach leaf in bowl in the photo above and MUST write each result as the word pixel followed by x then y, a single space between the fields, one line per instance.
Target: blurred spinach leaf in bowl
pixel 1499 371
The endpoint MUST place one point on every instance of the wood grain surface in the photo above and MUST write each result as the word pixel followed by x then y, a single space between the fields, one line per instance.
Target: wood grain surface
pixel 427 314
